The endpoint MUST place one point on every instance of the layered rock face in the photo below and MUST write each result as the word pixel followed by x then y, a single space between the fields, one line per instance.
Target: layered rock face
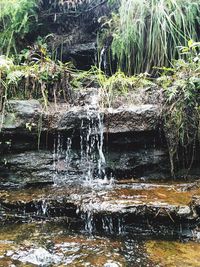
pixel 72 29
pixel 130 133
pixel 107 165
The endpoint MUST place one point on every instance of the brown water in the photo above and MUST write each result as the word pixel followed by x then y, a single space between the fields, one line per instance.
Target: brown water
pixel 52 244
pixel 80 217
pixel 49 244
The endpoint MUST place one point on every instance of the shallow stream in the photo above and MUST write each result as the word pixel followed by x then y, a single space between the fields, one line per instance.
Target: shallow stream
pixel 69 205
pixel 53 244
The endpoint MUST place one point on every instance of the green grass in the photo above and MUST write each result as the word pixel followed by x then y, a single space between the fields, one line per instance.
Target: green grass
pixel 15 22
pixel 148 32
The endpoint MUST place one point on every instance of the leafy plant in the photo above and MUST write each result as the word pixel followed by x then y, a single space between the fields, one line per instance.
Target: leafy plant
pixel 181 112
pixel 15 22
pixel 191 51
pixel 44 79
pixel 86 79
pixel 120 85
pixel 110 87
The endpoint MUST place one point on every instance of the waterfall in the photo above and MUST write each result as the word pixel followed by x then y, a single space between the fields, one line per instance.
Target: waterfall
pixel 103 59
pixel 62 157
pixel 88 147
pixel 68 153
pixel 91 144
pixel 89 160
pixel 89 222
pixel 102 160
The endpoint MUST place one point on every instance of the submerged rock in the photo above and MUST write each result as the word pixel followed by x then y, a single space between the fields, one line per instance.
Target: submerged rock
pixel 39 257
pixel 112 264
pixel 20 244
pixel 127 202
pixel 173 253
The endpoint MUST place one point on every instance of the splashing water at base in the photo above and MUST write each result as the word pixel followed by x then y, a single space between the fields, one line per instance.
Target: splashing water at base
pixel 39 257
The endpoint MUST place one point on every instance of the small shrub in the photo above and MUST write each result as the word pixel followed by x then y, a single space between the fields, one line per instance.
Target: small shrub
pixel 181 111
pixel 44 79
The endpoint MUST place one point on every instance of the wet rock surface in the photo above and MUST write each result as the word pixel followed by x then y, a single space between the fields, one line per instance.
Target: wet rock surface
pixel 44 166
pixel 20 114
pixel 99 183
pixel 27 168
pixel 47 244
pixel 29 117
pixel 72 29
pixel 78 181
pixel 128 201
pixel 132 119
pixel 139 119
pixel 146 163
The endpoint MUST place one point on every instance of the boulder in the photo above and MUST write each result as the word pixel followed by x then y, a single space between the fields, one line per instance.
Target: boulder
pixel 28 117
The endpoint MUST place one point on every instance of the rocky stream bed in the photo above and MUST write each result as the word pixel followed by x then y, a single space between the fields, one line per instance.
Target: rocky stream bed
pixel 87 186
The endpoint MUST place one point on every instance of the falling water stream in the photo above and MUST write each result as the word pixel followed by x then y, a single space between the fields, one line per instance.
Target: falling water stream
pixel 79 220
pixel 91 162
pixel 90 159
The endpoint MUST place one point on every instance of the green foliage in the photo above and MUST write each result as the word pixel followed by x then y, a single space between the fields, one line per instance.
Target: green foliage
pixel 86 79
pixel 148 32
pixel 113 2
pixel 15 22
pixel 191 51
pixel 43 79
pixel 181 112
pixel 120 84
pixel 111 88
